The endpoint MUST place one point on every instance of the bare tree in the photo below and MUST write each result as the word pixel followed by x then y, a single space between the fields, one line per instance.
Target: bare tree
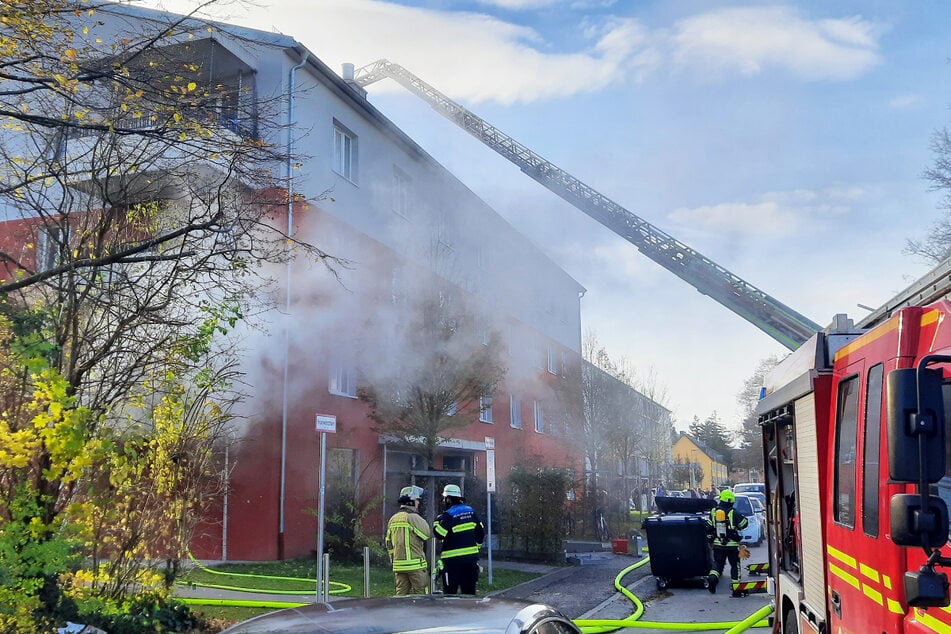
pixel 441 374
pixel 936 246
pixel 749 439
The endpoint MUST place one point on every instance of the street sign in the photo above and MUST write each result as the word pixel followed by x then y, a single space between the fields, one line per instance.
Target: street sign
pixel 490 470
pixel 326 424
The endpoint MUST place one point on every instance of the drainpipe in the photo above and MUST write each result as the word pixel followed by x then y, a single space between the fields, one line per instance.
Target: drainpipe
pixel 287 309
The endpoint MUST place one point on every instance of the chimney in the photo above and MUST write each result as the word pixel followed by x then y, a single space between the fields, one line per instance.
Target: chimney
pixel 347 75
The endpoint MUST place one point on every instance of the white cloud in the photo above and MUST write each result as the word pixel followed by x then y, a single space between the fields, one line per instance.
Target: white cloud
pixel 519 5
pixel 906 102
pixel 776 213
pixel 754 40
pixel 476 57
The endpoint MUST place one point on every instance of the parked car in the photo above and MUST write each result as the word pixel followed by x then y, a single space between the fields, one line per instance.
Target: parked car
pixel 747 487
pixel 753 534
pixel 406 615
pixel 761 497
pixel 758 505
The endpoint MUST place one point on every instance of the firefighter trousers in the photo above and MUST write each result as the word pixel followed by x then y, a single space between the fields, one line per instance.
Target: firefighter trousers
pixel 460 577
pixel 720 557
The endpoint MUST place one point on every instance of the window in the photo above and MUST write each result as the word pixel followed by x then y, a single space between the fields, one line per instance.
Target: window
pixel 48 240
pixel 845 427
pixel 345 152
pixel 343 380
pixel 341 476
pixel 870 458
pixel 402 190
pixel 451 410
pixel 539 418
pixel 485 409
pixel 944 484
pixel 515 412
pixel 552 360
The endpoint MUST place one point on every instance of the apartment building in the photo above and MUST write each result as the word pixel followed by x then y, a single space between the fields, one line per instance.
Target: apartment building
pixel 400 225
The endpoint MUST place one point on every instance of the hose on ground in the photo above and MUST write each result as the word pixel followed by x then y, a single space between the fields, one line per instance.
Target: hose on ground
pixel 336 588
pixel 600 626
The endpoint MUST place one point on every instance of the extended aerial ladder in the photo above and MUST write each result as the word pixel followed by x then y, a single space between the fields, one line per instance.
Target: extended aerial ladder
pixel 782 323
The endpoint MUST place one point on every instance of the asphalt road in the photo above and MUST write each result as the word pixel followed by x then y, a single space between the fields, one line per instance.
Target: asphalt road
pixel 588 592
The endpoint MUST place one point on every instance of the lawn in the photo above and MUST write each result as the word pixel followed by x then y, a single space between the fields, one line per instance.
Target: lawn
pixel 298 577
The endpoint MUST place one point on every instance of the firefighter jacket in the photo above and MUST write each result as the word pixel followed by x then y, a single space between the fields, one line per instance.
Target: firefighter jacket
pixel 461 532
pixel 406 536
pixel 724 525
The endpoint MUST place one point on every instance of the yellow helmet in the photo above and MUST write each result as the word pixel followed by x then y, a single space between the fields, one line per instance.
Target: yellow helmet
pixel 726 495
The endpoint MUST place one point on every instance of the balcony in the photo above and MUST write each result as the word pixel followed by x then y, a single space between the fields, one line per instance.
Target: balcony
pixel 151 147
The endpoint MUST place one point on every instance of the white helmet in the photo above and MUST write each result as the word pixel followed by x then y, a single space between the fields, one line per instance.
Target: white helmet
pixel 452 490
pixel 412 492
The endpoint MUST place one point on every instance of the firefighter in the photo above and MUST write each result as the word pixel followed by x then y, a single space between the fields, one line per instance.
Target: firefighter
pixel 406 536
pixel 723 533
pixel 461 532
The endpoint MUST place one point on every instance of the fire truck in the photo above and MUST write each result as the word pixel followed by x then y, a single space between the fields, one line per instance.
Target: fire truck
pixel 852 420
pixel 856 473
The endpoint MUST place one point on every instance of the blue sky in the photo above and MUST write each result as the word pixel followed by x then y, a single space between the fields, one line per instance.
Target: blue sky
pixel 784 141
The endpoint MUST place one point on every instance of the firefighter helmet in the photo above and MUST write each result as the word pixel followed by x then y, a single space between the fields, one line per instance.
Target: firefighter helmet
pixel 726 495
pixel 452 491
pixel 412 492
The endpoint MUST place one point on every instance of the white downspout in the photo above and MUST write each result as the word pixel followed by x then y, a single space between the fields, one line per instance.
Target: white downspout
pixel 290 230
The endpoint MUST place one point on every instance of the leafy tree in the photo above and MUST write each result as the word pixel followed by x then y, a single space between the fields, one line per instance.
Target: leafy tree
pixel 138 185
pixel 714 435
pixel 439 375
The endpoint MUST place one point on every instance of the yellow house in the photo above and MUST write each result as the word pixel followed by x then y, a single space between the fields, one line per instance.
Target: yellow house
pixel 703 465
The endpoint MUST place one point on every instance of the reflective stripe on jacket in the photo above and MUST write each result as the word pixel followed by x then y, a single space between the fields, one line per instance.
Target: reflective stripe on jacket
pixel 733 526
pixel 461 532
pixel 406 536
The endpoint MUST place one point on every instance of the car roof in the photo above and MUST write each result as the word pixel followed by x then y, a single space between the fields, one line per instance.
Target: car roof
pixel 400 615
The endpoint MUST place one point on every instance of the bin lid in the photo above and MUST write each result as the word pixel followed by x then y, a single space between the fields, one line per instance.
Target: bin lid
pixel 684 505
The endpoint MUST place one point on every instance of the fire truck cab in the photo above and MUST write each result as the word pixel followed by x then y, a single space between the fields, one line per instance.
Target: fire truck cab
pixel 856 482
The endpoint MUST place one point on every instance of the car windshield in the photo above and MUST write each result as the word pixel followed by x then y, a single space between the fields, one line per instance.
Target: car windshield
pixel 752 486
pixel 743 505
pixel 757 505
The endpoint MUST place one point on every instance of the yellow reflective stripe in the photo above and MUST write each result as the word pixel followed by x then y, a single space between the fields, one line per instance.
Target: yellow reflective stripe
pixel 400 565
pixel 848 560
pixel 467 526
pixel 841 574
pixel 439 529
pixel 894 607
pixel 872 594
pixel 869 572
pixel 932 623
pixel 456 552
pixel 410 526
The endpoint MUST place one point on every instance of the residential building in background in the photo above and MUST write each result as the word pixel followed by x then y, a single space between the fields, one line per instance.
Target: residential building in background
pixel 696 465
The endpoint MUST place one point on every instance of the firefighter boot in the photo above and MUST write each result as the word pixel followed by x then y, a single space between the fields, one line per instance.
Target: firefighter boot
pixel 712 580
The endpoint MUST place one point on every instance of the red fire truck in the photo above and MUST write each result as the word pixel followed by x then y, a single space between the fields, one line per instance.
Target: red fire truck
pixel 855 461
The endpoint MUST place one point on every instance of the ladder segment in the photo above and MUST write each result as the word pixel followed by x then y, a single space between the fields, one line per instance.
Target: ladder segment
pixel 763 311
